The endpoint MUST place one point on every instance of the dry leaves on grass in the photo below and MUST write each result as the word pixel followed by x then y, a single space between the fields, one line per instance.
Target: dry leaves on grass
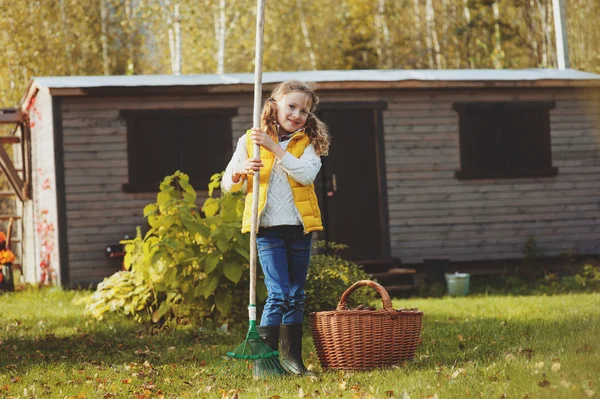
pixel 544 383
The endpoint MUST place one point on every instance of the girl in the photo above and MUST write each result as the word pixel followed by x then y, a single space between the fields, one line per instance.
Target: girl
pixel 292 139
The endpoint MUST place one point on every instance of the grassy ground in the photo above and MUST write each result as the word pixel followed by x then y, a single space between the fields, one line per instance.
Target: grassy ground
pixel 481 347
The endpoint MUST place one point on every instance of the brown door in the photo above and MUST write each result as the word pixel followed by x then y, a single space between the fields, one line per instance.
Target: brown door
pixel 350 185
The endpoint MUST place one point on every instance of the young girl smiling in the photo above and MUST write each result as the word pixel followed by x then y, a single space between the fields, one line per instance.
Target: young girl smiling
pixel 292 140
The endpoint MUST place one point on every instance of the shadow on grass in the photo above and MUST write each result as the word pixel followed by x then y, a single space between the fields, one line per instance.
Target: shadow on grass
pixel 446 342
pixel 115 341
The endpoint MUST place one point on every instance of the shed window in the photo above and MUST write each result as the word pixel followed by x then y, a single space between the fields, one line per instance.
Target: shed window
pixel 159 142
pixel 504 139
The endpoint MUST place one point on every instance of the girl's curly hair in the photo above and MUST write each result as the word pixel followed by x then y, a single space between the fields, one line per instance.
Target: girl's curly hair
pixel 315 129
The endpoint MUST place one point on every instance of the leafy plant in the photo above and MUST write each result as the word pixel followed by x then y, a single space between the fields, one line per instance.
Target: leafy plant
pixel 124 291
pixel 329 276
pixel 589 276
pixel 190 261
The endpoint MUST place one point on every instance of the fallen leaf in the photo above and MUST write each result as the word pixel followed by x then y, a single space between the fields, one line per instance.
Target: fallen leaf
pixel 527 352
pixel 589 392
pixel 555 367
pixel 539 365
pixel 389 393
pixel 15 379
pixel 509 357
pixel 460 338
pixel 544 383
pixel 300 392
pixel 343 385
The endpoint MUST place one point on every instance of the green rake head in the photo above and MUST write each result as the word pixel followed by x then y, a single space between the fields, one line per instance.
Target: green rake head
pixel 251 356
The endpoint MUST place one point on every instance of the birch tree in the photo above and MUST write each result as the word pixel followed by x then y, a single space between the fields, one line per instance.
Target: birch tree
pixel 433 45
pixel 383 35
pixel 104 37
pixel 306 35
pixel 498 54
pixel 225 19
pixel 67 43
pixel 418 44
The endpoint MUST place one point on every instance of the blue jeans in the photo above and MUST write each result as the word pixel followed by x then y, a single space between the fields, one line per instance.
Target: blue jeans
pixel 284 254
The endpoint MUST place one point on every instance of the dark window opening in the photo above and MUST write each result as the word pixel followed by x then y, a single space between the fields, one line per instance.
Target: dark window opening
pixel 505 139
pixel 160 142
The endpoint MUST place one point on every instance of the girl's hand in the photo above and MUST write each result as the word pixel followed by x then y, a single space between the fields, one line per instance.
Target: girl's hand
pixel 262 139
pixel 248 167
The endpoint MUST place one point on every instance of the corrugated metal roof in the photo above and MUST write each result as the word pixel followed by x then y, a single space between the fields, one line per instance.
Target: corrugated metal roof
pixel 458 75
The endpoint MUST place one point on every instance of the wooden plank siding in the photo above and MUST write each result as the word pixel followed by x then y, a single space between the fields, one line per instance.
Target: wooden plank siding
pixel 435 215
pixel 95 146
pixel 432 214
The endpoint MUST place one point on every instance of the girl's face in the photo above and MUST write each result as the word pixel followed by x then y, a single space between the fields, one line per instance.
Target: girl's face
pixel 292 111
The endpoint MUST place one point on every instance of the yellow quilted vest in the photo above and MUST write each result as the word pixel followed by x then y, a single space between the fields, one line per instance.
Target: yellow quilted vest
pixel 305 197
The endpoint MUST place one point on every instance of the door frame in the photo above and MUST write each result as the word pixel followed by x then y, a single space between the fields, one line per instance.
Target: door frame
pixel 377 107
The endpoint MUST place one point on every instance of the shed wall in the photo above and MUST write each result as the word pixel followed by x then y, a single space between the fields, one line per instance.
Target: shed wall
pixel 432 214
pixel 40 214
pixel 435 215
pixel 98 211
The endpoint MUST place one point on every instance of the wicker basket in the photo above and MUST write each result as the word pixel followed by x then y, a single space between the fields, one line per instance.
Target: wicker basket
pixel 365 339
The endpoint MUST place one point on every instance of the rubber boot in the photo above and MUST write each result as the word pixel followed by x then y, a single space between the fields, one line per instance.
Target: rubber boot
pixel 271 366
pixel 291 349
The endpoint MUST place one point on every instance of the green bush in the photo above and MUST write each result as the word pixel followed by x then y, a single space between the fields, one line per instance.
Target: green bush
pixel 191 265
pixel 329 276
pixel 194 266
pixel 589 276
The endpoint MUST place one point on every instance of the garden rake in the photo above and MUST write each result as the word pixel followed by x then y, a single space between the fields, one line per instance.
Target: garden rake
pixel 253 355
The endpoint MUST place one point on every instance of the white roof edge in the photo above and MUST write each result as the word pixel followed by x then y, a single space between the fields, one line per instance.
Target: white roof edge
pixel 448 75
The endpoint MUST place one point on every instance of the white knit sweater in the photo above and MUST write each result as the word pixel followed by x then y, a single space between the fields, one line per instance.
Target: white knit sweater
pixel 280 208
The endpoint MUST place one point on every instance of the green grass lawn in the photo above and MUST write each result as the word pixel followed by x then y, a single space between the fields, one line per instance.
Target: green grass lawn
pixel 480 347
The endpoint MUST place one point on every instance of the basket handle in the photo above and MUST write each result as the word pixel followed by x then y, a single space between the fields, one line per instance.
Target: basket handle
pixel 385 297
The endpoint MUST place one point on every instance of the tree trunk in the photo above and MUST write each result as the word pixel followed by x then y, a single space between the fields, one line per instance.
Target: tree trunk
pixel 221 37
pixel 542 14
pixel 382 36
pixel 104 37
pixel 457 52
pixel 307 42
pixel 130 37
pixel 433 45
pixel 177 29
pixel 65 35
pixel 498 55
pixel 418 44
pixel 172 40
pixel 467 19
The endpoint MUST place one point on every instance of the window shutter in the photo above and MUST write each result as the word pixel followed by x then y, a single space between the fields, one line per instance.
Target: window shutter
pixel 196 142
pixel 505 139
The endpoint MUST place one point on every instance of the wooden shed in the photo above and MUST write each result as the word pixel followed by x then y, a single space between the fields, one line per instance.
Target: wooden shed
pixel 454 164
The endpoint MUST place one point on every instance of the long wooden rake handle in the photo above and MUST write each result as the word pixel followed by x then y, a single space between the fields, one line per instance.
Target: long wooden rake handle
pixel 260 30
